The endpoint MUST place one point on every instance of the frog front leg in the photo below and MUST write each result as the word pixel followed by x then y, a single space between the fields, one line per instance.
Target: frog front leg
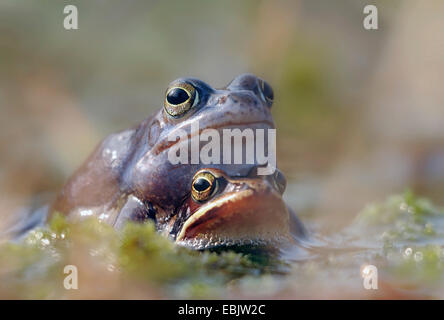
pixel 297 229
pixel 135 210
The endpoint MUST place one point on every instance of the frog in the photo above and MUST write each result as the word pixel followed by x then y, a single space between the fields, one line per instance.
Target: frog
pixel 223 210
pixel 129 175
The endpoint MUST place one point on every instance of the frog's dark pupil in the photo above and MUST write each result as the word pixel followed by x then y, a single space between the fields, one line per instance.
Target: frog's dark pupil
pixel 268 91
pixel 177 96
pixel 201 184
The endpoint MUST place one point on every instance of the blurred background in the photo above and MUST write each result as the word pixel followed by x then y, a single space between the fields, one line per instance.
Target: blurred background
pixel 359 113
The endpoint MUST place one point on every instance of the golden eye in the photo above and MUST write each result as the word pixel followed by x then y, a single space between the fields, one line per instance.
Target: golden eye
pixel 267 91
pixel 203 186
pixel 180 98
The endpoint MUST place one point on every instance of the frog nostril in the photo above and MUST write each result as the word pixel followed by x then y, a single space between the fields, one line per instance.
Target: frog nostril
pixel 222 100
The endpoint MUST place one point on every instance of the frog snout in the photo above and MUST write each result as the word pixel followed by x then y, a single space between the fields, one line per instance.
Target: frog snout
pixel 245 81
pixel 241 98
pixel 250 83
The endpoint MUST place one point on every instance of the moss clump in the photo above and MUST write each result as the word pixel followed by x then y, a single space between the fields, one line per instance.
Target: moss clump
pixel 411 237
pixel 138 254
pixel 402 236
pixel 417 266
pixel 400 218
pixel 144 252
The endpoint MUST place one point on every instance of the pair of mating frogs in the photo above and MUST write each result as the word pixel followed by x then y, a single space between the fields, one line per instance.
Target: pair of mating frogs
pixel 130 178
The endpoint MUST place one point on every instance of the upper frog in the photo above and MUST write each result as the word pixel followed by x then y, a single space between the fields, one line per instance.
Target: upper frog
pixel 134 164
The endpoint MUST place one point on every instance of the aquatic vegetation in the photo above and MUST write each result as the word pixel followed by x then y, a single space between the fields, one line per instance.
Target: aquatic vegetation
pixel 401 218
pixel 33 268
pixel 410 231
pixel 402 237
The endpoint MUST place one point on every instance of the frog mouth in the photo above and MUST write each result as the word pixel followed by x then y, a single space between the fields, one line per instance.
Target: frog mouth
pixel 238 218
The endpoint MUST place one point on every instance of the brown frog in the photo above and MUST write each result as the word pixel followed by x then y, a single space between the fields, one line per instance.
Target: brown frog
pixel 129 175
pixel 223 210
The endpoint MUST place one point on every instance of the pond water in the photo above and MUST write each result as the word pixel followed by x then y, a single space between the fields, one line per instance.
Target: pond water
pixel 401 237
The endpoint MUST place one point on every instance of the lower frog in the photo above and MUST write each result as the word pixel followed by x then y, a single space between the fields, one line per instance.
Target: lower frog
pixel 223 211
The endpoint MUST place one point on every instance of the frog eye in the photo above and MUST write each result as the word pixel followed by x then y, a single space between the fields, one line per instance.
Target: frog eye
pixel 279 181
pixel 267 91
pixel 203 186
pixel 180 98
